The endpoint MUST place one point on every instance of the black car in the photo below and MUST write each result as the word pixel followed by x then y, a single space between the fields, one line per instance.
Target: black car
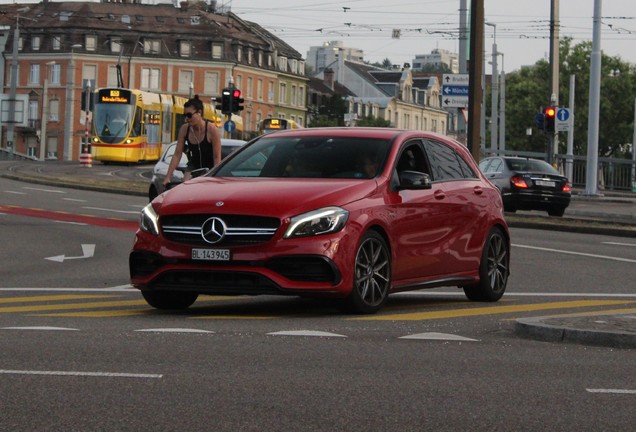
pixel 528 184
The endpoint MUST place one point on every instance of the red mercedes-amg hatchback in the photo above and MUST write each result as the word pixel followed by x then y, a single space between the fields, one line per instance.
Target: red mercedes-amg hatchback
pixel 350 213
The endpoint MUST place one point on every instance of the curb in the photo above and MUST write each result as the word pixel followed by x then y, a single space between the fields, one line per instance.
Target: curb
pixel 536 328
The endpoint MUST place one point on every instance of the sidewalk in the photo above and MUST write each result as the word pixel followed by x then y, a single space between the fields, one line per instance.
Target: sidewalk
pixel 613 213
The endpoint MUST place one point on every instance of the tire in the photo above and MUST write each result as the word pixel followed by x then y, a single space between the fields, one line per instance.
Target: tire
pixel 372 275
pixel 494 269
pixel 168 300
pixel 556 211
pixel 152 193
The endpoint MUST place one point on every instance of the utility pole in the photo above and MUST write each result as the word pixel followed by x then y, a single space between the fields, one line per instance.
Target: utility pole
pixel 591 175
pixel 494 95
pixel 13 89
pixel 553 146
pixel 502 109
pixel 476 65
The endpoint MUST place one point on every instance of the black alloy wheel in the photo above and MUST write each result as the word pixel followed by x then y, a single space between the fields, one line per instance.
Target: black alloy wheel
pixel 372 275
pixel 494 269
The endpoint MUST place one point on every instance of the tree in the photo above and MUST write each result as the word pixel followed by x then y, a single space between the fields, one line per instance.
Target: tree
pixel 372 122
pixel 441 68
pixel 528 89
pixel 330 111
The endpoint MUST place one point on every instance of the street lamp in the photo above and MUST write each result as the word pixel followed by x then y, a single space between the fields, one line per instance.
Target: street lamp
pixel 68 121
pixel 494 114
pixel 45 110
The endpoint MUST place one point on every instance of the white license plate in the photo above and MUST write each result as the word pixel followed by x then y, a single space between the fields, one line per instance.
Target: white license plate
pixel 211 254
pixel 544 183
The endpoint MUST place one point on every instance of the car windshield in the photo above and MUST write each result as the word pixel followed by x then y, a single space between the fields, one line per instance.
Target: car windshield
pixel 531 165
pixel 308 157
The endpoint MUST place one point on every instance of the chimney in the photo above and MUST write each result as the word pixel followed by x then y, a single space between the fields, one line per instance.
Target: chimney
pixel 328 77
pixel 184 5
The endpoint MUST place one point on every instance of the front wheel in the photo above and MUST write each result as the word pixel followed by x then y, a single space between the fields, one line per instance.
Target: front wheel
pixel 169 300
pixel 372 275
pixel 493 269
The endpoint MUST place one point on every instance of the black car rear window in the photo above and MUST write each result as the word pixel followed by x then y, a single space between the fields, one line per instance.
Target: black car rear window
pixel 531 165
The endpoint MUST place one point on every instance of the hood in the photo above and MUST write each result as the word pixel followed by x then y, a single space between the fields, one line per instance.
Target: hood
pixel 279 197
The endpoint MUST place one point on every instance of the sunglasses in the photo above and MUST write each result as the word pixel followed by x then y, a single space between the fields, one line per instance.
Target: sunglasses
pixel 190 114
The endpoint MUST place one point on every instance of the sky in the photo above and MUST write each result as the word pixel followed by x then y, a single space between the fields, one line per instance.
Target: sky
pixel 521 26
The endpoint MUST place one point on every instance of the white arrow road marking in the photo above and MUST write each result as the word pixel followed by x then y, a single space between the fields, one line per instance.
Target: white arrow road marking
pixel 305 333
pixel 41 328
pixel 73 373
pixel 439 336
pixel 88 251
pixel 175 330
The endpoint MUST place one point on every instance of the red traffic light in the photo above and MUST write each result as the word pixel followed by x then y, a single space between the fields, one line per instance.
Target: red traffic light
pixel 550 112
pixel 237 93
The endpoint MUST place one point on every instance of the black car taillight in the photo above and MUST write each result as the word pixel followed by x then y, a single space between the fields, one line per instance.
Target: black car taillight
pixel 519 182
pixel 567 187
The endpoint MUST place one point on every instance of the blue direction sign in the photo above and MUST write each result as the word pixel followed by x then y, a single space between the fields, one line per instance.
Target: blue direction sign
pixel 563 114
pixel 229 126
pixel 455 90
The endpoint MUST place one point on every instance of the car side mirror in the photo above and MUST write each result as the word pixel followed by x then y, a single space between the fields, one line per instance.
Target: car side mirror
pixel 414 180
pixel 199 172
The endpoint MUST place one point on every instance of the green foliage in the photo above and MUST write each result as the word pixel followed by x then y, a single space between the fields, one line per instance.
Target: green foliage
pixel 437 69
pixel 528 90
pixel 372 122
pixel 330 112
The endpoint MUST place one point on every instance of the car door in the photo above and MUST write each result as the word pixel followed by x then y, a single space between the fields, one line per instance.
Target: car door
pixel 466 202
pixel 418 221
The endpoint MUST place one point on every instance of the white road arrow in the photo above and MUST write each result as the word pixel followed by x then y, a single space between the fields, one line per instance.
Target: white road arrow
pixel 87 249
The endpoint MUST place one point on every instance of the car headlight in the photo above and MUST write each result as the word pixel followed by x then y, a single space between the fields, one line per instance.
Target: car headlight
pixel 322 221
pixel 148 220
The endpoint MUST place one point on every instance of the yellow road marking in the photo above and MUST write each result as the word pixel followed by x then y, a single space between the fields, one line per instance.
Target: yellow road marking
pixel 32 299
pixel 99 314
pixel 492 310
pixel 70 306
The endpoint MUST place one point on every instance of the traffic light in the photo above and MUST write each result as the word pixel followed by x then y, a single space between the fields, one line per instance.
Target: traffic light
pixel 539 120
pixel 548 123
pixel 226 101
pixel 237 101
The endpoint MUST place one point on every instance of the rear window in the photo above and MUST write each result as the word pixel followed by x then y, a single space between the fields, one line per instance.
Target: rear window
pixel 532 165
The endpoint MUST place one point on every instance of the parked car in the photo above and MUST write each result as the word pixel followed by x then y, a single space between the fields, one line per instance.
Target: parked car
pixel 528 184
pixel 161 167
pixel 348 213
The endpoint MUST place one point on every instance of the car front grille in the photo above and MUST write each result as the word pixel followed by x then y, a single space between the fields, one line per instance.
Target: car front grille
pixel 239 230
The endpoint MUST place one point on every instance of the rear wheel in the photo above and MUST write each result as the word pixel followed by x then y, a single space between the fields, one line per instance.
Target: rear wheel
pixel 169 300
pixel 556 211
pixel 493 269
pixel 372 275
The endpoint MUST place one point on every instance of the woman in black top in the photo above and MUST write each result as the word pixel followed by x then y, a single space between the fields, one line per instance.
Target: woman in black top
pixel 199 138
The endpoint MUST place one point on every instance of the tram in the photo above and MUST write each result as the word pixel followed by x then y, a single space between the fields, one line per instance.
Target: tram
pixel 131 126
pixel 269 125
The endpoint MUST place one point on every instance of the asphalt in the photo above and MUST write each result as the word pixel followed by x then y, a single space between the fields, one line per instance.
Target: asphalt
pixel 607 213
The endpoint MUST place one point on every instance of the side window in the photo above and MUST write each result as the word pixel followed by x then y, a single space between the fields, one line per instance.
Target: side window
pixel 496 166
pixel 466 169
pixel 483 165
pixel 412 159
pixel 445 163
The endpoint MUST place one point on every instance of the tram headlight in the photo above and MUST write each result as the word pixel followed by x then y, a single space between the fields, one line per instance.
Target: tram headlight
pixel 149 221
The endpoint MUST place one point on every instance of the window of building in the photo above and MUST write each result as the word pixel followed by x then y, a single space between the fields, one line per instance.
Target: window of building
pixel 270 93
pixel 186 78
pixel 34 111
pixel 300 121
pixel 260 58
pixel 282 63
pixel 211 83
pixel 239 82
pixel 34 74
pixel 239 54
pixel 150 78
pixel 20 43
pixel 301 96
pixel 249 91
pixel 54 110
pixel 292 99
pixel 115 45
pixel 152 46
pixel 282 95
pixel 294 66
pixel 270 60
pixel 250 56
pixel 90 42
pixel 217 50
pixel 301 67
pixel 259 89
pixel 56 73
pixel 112 76
pixel 57 43
pixel 36 41
pixel 185 48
